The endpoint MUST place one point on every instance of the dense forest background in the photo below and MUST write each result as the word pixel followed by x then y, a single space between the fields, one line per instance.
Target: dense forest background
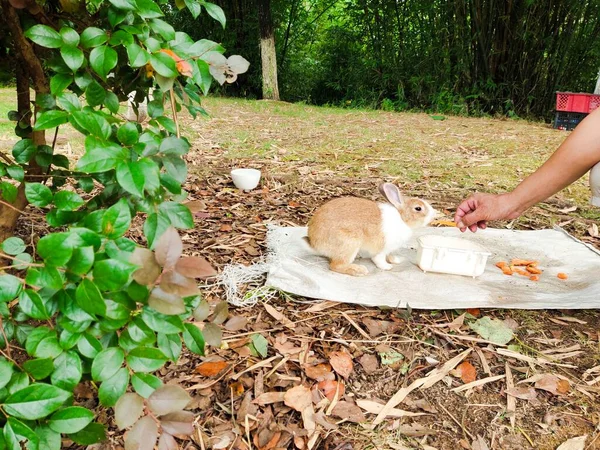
pixel 472 57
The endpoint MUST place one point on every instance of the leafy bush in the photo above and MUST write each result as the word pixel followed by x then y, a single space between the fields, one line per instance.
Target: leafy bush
pixel 85 302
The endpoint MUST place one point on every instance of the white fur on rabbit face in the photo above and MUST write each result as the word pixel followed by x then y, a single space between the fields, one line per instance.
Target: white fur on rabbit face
pixel 401 216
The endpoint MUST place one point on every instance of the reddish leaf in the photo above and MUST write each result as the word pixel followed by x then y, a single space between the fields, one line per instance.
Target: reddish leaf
pixel 225 227
pixel 236 323
pixel 149 269
pixel 294 204
pixel 319 372
pixel 174 283
pixel 128 410
pixel 369 363
pixel 143 435
pixel 167 442
pixel 221 312
pixel 211 368
pixel 163 302
pixel 169 248
pixel 475 312
pixel 167 399
pixel 212 334
pixel 237 389
pixel 195 267
pixel 330 388
pixel 202 311
pixel 178 422
pixel 341 363
pixel 298 398
pixel 272 442
pixel 553 384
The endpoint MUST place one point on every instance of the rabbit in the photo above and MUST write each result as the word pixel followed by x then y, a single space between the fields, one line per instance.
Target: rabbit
pixel 347 227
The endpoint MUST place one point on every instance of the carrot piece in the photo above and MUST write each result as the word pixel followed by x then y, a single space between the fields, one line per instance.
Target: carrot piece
pixel 562 276
pixel 534 270
pixel 534 278
pixel 506 270
pixel 522 262
pixel 521 271
pixel 501 264
pixel 444 223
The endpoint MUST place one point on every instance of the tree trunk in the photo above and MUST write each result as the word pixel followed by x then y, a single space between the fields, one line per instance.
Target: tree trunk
pixel 597 89
pixel 268 55
pixel 29 68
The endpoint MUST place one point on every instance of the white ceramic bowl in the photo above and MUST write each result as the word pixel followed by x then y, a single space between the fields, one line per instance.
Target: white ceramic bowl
pixel 451 255
pixel 245 179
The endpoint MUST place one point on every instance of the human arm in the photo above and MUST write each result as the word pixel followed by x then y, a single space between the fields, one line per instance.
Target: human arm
pixel 575 156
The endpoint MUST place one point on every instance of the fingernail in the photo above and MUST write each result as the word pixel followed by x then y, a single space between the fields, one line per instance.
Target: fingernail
pixel 460 225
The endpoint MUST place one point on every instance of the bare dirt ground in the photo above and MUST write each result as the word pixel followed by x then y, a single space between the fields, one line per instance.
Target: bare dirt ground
pixel 329 368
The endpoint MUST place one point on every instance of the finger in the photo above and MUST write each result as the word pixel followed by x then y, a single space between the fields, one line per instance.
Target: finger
pixel 473 227
pixel 482 224
pixel 472 218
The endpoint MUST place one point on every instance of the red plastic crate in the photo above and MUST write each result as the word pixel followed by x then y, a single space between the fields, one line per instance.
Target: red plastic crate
pixel 577 102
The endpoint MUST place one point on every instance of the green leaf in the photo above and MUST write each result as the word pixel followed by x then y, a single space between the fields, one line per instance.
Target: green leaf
pixel 178 214
pixel 112 274
pixel 72 56
pixel 112 389
pixel 193 339
pixel 176 168
pixel 169 344
pixel 131 178
pixel 89 346
pixel 36 401
pixel 259 344
pixel 68 101
pixel 68 200
pixel 128 134
pixel 100 156
pixel 148 9
pixel 67 371
pixel 51 119
pixel 145 359
pixel 95 94
pixel 163 28
pixel 92 123
pixel 493 330
pixel 68 340
pixel 23 151
pixel 103 59
pixel 9 191
pixel 112 102
pixel 69 36
pixel 38 194
pixel 93 433
pixel 47 276
pixel 89 298
pixel 22 432
pixel 204 79
pixel 155 109
pixel 150 172
pixel 162 323
pixel 6 371
pixel 107 363
pixel 93 37
pixel 128 5
pixel 15 172
pixel 154 227
pixel 32 304
pixel 117 16
pixel 59 82
pixel 194 7
pixel 164 65
pixel 116 220
pixel 145 384
pixel 44 36
pixel 121 37
pixel 216 12
pixel 174 146
pixel 55 249
pixel 82 260
pixel 49 440
pixel 13 246
pixel 138 57
pixel 70 420
pixel 39 368
pixel 140 332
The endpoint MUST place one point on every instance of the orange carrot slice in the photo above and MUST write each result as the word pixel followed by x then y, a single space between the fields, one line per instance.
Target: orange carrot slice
pixel 523 262
pixel 534 278
pixel 562 276
pixel 534 270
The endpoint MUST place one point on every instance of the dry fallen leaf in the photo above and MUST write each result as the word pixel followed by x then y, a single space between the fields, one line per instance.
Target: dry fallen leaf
pixel 319 372
pixel 552 384
pixel 329 388
pixel 211 368
pixel 480 444
pixel 348 411
pixel 369 363
pixel 341 363
pixel 298 398
pixel 226 227
pixel 269 397
pixel 236 323
pixel 577 443
pixel 522 392
pixel 466 371
pixel 475 312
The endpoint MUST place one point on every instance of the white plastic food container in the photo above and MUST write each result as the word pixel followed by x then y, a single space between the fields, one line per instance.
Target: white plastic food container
pixel 451 255
pixel 245 179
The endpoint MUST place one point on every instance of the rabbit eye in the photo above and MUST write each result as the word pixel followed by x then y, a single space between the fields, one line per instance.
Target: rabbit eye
pixel 418 208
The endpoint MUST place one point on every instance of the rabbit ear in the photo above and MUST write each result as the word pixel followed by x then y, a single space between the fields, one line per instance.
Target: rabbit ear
pixel 392 194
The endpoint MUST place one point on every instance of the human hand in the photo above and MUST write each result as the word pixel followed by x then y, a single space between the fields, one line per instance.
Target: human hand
pixel 478 209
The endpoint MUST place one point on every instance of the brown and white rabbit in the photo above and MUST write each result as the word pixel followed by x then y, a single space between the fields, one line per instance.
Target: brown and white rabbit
pixel 347 227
